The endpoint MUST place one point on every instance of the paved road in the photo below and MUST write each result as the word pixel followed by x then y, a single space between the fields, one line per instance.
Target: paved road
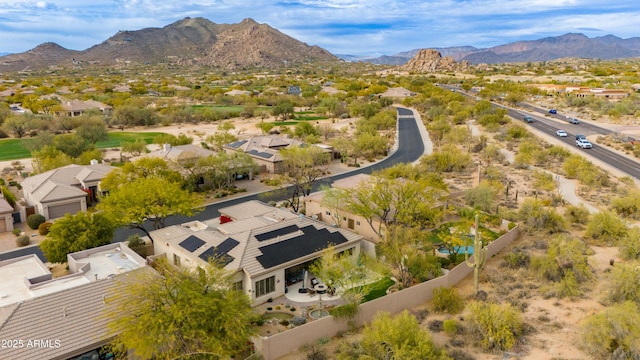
pixel 410 146
pixel 550 123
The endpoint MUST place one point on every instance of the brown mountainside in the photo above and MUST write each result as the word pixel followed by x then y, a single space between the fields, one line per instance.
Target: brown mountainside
pixel 41 56
pixel 190 41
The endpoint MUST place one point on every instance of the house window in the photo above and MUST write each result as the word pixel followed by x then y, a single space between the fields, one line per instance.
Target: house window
pixel 328 213
pixel 265 286
pixel 237 285
pixel 176 260
pixel 357 223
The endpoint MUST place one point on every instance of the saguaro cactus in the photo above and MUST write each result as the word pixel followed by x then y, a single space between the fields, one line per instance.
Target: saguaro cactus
pixel 479 255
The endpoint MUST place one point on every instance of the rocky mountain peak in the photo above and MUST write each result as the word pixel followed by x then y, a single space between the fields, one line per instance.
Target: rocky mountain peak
pixel 430 60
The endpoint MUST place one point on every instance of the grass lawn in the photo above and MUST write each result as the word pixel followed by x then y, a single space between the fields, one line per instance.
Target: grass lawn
pixel 115 138
pixel 14 149
pixel 378 289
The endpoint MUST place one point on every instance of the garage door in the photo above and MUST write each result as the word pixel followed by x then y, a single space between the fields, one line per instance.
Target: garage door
pixel 3 225
pixel 59 210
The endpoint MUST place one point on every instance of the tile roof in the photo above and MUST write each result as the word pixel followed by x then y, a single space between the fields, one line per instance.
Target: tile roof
pixel 63 183
pixel 73 321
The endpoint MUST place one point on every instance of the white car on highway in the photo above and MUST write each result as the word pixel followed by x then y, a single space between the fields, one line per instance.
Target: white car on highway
pixel 584 143
pixel 561 133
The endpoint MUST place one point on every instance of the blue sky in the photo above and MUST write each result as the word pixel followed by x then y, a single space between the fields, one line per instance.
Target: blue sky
pixel 355 27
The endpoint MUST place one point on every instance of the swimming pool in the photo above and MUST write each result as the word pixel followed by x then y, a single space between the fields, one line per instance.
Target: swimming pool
pixel 458 250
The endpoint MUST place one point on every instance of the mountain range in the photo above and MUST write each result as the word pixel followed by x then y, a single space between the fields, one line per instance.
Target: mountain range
pixel 248 44
pixel 546 49
pixel 190 41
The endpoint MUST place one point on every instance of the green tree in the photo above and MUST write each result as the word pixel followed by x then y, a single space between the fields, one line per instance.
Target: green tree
pixel 148 167
pixel 179 313
pixel 75 233
pixel 614 333
pixel 148 199
pixel 18 125
pixel 303 166
pixel 284 109
pixel 49 158
pixel 71 144
pixel 220 138
pixel 387 337
pixel 93 130
pixel 134 148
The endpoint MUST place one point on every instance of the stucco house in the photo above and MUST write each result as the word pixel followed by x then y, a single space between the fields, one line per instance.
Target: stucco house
pixel 64 317
pixel 6 216
pixel 78 107
pixel 262 246
pixel 64 190
pixel 265 151
pixel 180 153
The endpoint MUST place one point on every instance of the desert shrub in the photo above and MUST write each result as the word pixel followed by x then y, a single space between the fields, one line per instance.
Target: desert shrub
pixel 450 326
pixel 577 214
pixel 565 265
pixel 16 231
pixel 539 217
pixel 3 134
pixel 630 245
pixel 605 228
pixel 614 333
pixel 23 240
pixel 517 258
pixel 34 220
pixel 496 326
pixel 447 159
pixel 43 229
pixel 447 300
pixel 624 284
pixel 627 206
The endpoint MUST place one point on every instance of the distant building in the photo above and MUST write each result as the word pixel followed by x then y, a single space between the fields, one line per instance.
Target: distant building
pixel 294 90
pixel 78 107
pixel 64 190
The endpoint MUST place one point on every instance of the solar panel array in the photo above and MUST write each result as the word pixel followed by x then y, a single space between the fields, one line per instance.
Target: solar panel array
pixel 261 154
pixel 311 241
pixel 192 243
pixel 221 251
pixel 275 233
pixel 237 144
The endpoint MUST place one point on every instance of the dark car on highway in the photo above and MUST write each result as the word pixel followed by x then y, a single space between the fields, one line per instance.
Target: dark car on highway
pixel 553 111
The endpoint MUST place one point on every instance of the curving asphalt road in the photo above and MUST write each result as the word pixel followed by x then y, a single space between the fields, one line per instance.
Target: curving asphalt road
pixel 410 147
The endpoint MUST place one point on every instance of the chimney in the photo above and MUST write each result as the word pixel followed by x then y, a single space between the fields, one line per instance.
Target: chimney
pixel 166 147
pixel 93 162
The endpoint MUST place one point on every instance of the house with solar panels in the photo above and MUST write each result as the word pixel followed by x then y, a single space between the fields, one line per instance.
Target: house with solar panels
pixel 262 246
pixel 265 151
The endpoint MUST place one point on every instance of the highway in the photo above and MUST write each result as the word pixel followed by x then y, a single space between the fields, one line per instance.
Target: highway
pixel 549 123
pixel 410 147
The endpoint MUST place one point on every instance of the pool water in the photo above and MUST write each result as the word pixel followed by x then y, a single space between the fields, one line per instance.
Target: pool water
pixel 458 250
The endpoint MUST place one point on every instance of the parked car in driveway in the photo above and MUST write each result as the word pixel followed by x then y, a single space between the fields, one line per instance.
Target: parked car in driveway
pixel 574 121
pixel 584 143
pixel 553 111
pixel 561 133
